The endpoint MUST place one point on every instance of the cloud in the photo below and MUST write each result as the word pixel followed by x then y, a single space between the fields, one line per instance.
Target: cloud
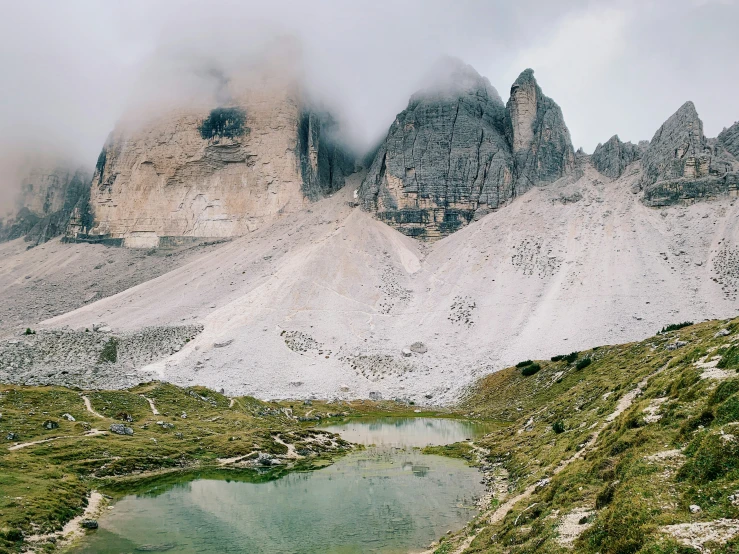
pixel 71 69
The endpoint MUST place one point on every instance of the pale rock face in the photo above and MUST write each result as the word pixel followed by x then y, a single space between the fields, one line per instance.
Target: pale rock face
pixel 225 172
pixel 48 194
pixel 522 106
pixel 681 165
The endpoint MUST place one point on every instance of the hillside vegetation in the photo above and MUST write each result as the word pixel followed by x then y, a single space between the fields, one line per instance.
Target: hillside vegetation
pixel 635 451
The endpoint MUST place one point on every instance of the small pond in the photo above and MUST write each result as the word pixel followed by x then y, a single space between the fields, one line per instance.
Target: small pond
pixel 387 499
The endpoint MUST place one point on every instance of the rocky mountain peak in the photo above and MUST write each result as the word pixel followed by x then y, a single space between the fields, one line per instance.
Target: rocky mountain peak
pixel 729 139
pixel 614 156
pixel 457 152
pixel 450 78
pixel 536 130
pixel 681 164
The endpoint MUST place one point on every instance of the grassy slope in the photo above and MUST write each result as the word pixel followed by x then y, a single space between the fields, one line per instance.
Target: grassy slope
pixel 44 485
pixel 634 495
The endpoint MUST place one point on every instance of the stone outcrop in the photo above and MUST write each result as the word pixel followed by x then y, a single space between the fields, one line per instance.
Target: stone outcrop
pixel 536 130
pixel 680 164
pixel 614 156
pixel 210 172
pixel 729 139
pixel 457 152
pixel 445 156
pixel 47 197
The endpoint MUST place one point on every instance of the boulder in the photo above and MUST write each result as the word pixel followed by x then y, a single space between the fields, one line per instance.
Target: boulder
pixel 120 429
pixel 89 524
pixel 419 348
pixel 49 425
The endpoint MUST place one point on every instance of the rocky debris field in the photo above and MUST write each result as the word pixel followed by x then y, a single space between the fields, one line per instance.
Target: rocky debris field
pixel 55 278
pixel 92 358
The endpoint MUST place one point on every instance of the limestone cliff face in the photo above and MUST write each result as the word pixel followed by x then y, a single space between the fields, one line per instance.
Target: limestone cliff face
pixel 211 171
pixel 48 194
pixel 614 156
pixel 680 164
pixel 457 152
pixel 445 157
pixel 729 139
pixel 536 130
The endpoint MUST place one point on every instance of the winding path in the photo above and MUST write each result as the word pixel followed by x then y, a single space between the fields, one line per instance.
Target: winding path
pixel 151 404
pixel 89 407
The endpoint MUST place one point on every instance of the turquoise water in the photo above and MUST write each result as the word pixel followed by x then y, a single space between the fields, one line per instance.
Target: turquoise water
pixel 385 499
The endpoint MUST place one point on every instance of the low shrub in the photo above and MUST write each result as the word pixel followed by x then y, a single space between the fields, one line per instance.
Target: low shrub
pixel 524 363
pixel 29 331
pixel 530 369
pixel 582 364
pixel 709 457
pixel 730 359
pixel 558 427
pixel 728 411
pixel 675 326
pixel 724 391
pixel 571 357
pixel 110 351
pixel 558 358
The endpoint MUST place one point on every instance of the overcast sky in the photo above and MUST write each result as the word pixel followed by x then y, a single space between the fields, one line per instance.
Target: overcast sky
pixel 70 67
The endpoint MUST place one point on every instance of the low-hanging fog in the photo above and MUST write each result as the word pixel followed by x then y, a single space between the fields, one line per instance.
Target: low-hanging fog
pixel 71 69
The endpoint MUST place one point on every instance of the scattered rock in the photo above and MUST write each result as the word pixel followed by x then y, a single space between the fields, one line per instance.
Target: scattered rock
pixel 694 509
pixel 120 429
pixel 406 352
pixel 11 437
pixel 49 425
pixel 89 524
pixel 68 417
pixel 374 395
pixel 222 344
pixel 419 348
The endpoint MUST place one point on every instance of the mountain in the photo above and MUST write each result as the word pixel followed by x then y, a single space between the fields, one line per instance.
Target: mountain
pixel 48 195
pixel 457 152
pixel 328 296
pixel 680 164
pixel 613 157
pixel 538 135
pixel 205 171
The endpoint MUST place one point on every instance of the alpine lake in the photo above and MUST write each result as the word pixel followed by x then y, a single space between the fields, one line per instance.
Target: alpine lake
pixel 386 498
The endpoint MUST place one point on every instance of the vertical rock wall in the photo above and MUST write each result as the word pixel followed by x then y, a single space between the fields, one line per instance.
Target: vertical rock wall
pixel 456 152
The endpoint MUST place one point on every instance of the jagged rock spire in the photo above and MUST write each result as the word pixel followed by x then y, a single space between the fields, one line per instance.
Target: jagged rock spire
pixel 456 152
pixel 537 133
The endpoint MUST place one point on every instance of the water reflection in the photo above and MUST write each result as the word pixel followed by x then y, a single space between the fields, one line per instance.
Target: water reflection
pixel 384 499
